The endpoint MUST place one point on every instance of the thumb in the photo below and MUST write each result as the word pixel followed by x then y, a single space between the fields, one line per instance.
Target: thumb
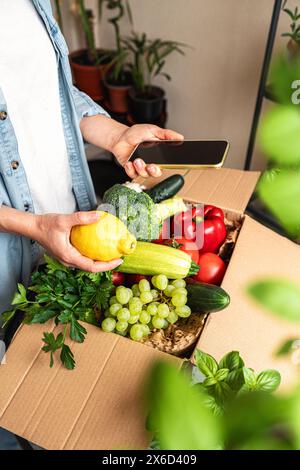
pixel 84 218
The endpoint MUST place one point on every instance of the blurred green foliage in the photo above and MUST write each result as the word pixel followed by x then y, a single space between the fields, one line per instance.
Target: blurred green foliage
pixel 228 407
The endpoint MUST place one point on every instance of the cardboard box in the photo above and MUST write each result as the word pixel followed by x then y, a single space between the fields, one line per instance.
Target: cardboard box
pixel 99 405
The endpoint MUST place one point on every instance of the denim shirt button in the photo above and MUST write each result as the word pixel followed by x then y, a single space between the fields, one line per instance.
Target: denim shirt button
pixel 14 164
pixel 3 115
pixel 26 206
pixel 32 242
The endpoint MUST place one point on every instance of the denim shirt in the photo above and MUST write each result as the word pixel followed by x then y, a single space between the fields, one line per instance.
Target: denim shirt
pixel 19 255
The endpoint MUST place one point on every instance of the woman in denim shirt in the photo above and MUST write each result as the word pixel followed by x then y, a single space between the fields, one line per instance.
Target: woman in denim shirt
pixel 27 227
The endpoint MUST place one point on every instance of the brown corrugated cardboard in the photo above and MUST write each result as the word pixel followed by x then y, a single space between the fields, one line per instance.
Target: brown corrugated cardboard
pixel 243 326
pixel 229 189
pixel 98 405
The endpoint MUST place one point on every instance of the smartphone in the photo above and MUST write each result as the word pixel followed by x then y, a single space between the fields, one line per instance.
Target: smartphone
pixel 183 153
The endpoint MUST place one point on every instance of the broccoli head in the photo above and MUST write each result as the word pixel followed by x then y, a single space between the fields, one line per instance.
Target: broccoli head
pixel 135 209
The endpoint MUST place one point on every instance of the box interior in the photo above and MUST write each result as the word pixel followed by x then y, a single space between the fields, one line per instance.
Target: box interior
pixel 99 405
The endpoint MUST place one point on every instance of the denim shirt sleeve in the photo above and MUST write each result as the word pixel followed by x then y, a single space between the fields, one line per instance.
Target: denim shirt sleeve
pixel 85 106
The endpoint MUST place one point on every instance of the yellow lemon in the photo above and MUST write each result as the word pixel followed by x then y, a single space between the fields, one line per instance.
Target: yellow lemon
pixel 105 240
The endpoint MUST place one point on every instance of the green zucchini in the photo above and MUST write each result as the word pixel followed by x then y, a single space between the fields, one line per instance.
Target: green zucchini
pixel 166 189
pixel 206 297
pixel 151 259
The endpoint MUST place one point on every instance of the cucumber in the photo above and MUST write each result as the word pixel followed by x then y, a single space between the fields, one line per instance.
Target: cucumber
pixel 166 189
pixel 206 298
pixel 151 259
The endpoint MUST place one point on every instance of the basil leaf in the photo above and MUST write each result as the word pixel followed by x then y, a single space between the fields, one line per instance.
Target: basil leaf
pixel 281 297
pixel 235 379
pixel 209 381
pixel 268 380
pixel 249 378
pixel 222 392
pixel 221 375
pixel 231 361
pixel 206 363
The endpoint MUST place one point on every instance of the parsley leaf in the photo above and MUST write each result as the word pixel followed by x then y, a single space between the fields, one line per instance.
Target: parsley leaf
pixel 67 357
pixel 67 295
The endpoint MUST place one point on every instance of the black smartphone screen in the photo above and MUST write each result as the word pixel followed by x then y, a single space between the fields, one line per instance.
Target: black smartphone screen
pixel 186 152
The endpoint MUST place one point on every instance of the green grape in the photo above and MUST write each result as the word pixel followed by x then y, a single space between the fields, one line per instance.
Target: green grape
pixel 179 290
pixel 121 333
pixel 153 280
pixel 114 309
pixel 136 291
pixel 121 326
pixel 168 290
pixel 144 285
pixel 166 323
pixel 145 317
pixel 133 319
pixel 152 309
pixel 172 317
pixel 163 310
pixel 178 300
pixel 137 332
pixel 123 315
pixel 108 325
pixel 146 330
pixel 122 295
pixel 154 293
pixel 135 305
pixel 113 300
pixel 130 293
pixel 183 311
pixel 179 283
pixel 161 282
pixel 146 297
pixel 158 322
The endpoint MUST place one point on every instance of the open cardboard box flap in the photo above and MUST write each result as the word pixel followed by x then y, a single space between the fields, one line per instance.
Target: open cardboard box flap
pixel 99 405
pixel 226 188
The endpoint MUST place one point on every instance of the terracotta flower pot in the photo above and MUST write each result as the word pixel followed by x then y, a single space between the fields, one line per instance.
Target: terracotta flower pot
pixel 88 78
pixel 117 94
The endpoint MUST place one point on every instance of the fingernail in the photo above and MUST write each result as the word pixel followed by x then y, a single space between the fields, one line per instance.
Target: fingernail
pixel 138 162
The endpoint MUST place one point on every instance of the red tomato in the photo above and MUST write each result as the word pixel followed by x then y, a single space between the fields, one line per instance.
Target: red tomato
pixel 212 269
pixel 118 279
pixel 134 278
pixel 188 246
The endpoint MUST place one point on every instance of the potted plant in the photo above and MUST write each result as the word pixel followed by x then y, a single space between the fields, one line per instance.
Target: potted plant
pixel 146 101
pixel 89 64
pixel 117 79
pixel 294 33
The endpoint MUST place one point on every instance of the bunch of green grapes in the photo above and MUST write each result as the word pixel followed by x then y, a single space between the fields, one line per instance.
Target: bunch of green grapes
pixel 146 307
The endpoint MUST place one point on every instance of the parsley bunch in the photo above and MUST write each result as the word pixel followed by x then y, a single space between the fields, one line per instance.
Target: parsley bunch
pixel 66 295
